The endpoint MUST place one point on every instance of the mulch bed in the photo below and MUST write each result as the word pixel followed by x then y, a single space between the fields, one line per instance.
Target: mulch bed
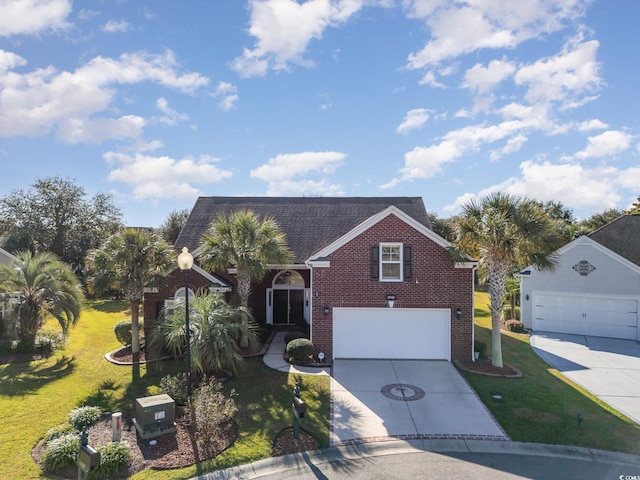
pixel 173 450
pixel 483 367
pixel 285 443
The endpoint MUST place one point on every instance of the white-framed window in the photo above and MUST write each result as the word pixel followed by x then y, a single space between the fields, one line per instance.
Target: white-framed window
pixel 391 262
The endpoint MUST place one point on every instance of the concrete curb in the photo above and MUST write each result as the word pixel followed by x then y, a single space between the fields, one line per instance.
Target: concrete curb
pixel 271 466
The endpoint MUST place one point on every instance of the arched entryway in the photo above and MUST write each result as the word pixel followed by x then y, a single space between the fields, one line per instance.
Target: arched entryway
pixel 287 299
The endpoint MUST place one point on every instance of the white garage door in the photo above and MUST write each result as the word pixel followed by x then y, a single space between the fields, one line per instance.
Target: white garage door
pixel 395 333
pixel 599 316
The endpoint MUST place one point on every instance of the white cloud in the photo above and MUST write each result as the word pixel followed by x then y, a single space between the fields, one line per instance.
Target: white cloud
pixel 594 124
pixel 75 105
pixel 171 117
pixel 116 26
pixel 162 176
pixel 414 119
pixel 430 79
pixel 571 184
pixel 425 162
pixel 459 28
pixel 563 77
pixel 284 28
pixel 227 95
pixel 30 17
pixel 283 173
pixel 483 79
pixel 606 144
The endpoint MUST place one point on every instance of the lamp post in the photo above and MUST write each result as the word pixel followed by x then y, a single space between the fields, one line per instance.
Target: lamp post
pixel 185 262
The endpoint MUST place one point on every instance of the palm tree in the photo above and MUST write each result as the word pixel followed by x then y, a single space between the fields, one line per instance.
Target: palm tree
pixel 248 243
pixel 42 285
pixel 131 260
pixel 506 233
pixel 215 327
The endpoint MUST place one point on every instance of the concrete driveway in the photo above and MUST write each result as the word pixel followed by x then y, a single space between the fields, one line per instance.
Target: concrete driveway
pixel 608 368
pixel 378 399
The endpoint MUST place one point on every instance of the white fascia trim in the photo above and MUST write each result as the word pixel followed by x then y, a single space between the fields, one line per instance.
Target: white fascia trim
pixel 466 264
pixel 588 241
pixel 371 221
pixel 12 258
pixel 318 264
pixel 210 277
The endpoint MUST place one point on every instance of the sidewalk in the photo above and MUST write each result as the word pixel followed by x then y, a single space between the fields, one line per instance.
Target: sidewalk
pixel 274 358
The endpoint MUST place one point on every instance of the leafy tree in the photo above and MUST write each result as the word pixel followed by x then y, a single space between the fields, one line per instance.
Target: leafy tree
pixel 505 233
pixel 445 227
pixel 247 242
pixel 598 220
pixel 131 260
pixel 215 328
pixel 42 285
pixel 172 226
pixel 635 207
pixel 55 216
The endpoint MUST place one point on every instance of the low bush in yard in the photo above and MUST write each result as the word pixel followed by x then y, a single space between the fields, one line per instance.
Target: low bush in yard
pixel 300 349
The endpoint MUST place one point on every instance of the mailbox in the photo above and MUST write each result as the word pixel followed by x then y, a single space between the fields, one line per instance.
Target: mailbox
pixel 299 407
pixel 89 458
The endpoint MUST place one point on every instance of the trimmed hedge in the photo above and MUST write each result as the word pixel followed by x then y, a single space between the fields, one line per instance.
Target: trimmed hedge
pixel 300 349
pixel 123 331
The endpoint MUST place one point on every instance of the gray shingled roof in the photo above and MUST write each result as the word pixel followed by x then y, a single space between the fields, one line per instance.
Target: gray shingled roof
pixel 310 223
pixel 621 236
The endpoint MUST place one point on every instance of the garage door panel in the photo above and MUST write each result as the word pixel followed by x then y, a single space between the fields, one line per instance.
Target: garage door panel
pixel 391 333
pixel 613 317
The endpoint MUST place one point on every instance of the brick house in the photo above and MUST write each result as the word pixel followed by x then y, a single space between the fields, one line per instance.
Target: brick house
pixel 369 276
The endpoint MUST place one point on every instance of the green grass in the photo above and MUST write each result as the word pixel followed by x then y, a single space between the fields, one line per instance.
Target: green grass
pixel 543 405
pixel 540 407
pixel 39 395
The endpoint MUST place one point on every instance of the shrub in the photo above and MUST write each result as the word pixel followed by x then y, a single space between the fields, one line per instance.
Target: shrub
pixel 300 349
pixel 515 326
pixel 58 431
pixel 176 387
pixel 84 417
pixel 114 457
pixel 292 335
pixel 263 333
pixel 61 451
pixel 480 347
pixel 123 331
pixel 210 408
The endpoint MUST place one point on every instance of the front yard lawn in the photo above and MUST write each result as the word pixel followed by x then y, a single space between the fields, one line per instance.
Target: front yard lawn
pixel 543 405
pixel 38 395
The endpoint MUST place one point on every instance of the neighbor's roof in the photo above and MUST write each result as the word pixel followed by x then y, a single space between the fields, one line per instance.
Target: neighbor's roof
pixel 621 236
pixel 310 223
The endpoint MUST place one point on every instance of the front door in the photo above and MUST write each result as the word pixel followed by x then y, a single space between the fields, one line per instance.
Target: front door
pixel 288 306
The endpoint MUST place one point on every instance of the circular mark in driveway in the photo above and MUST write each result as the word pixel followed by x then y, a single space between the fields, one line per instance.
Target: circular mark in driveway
pixel 402 391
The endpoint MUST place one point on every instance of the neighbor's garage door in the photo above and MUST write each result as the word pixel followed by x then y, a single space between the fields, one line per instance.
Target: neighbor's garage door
pixel 396 333
pixel 600 316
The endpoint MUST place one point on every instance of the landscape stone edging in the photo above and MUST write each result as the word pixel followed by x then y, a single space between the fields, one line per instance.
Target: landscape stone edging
pixel 518 373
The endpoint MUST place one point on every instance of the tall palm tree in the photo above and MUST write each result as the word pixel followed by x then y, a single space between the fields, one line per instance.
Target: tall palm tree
pixel 43 285
pixel 248 243
pixel 506 233
pixel 131 260
pixel 215 328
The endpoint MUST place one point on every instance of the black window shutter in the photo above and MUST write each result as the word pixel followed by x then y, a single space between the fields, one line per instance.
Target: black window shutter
pixel 407 262
pixel 375 262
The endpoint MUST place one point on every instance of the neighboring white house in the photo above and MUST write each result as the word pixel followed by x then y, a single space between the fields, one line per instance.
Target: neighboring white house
pixel 596 288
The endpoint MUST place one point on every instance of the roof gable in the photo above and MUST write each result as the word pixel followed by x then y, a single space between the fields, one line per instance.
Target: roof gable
pixel 7 258
pixel 586 240
pixel 371 221
pixel 310 223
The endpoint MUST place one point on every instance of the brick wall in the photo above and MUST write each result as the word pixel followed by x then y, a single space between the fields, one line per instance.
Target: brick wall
pixel 434 283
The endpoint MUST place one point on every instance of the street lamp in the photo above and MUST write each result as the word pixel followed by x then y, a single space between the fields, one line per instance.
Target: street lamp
pixel 185 262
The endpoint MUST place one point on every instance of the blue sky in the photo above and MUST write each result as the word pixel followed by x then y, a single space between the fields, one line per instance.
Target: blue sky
pixel 158 102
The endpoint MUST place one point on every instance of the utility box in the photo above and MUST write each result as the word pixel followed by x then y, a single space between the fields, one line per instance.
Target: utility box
pixel 155 416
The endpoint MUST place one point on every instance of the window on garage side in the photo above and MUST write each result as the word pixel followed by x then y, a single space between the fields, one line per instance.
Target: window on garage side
pixel 391 262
